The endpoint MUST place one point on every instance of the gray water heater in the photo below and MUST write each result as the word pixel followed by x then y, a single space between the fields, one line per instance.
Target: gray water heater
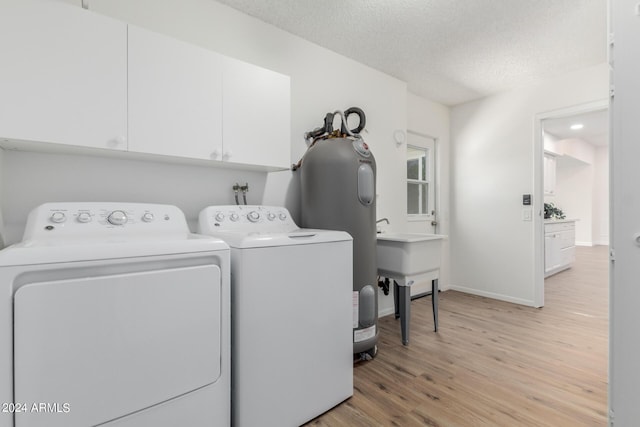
pixel 338 183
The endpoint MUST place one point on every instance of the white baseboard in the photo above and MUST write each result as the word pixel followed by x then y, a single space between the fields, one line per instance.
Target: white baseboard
pixel 386 312
pixel 492 295
pixel 601 243
pixel 584 243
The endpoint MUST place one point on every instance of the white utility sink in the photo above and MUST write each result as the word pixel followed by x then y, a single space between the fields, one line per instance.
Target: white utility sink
pixel 408 254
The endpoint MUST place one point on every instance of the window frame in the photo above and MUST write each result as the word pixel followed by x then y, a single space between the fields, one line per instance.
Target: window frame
pixel 428 181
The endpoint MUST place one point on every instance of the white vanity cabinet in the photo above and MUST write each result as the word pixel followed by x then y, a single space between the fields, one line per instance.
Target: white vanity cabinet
pixel 63 77
pixel 559 246
pixel 175 97
pixel 256 115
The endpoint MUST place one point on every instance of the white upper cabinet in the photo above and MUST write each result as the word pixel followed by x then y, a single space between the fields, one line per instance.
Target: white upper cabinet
pixel 549 174
pixel 256 115
pixel 79 79
pixel 63 77
pixel 175 97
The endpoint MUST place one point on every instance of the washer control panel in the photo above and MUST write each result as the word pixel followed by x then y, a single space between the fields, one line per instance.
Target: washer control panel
pixel 90 219
pixel 246 218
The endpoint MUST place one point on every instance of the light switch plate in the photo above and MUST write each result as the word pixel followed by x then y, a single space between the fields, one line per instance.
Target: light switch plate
pixel 526 214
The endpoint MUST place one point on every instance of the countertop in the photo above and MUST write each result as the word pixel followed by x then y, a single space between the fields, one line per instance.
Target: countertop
pixel 558 221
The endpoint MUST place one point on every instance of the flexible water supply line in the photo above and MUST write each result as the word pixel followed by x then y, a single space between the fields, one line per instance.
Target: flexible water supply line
pixel 245 190
pixel 235 191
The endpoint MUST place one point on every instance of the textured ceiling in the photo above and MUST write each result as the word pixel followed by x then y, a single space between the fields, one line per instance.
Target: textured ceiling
pixel 450 51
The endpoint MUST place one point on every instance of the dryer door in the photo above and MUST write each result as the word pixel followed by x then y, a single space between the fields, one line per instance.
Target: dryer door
pixel 92 349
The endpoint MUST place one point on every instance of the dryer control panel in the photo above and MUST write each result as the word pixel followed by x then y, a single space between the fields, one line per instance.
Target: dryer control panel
pixel 246 218
pixel 94 219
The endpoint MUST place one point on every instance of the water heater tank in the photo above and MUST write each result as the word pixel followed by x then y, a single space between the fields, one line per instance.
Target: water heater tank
pixel 338 183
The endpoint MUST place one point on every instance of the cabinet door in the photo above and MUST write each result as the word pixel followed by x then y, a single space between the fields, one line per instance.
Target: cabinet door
pixel 568 256
pixel 551 252
pixel 63 77
pixel 175 97
pixel 256 115
pixel 567 238
pixel 549 174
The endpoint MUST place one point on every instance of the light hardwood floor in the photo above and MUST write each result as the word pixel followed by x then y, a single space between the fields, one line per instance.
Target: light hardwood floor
pixel 492 363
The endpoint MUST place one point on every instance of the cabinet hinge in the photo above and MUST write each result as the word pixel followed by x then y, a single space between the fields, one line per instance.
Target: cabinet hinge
pixel 612 91
pixel 612 255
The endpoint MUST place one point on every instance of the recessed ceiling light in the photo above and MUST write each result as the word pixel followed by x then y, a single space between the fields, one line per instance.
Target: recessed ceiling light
pixel 577 126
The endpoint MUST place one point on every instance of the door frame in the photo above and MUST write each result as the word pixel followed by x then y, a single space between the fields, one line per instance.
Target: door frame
pixel 538 187
pixel 436 180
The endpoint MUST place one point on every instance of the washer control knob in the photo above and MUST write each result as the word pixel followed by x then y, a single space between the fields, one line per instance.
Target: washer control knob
pixel 147 217
pixel 234 217
pixel 253 216
pixel 282 216
pixel 219 217
pixel 84 217
pixel 58 217
pixel 271 216
pixel 117 218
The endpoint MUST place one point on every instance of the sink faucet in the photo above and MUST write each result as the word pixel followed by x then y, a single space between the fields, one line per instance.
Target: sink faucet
pixel 378 230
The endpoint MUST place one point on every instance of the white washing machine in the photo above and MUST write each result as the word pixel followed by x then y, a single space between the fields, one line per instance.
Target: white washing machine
pixel 113 314
pixel 292 321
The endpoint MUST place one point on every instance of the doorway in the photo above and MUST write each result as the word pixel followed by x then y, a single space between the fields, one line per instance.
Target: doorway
pixel 422 200
pixel 572 188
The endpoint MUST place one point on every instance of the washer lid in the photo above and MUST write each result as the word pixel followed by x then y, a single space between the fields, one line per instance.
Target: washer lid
pixel 301 236
pixel 90 248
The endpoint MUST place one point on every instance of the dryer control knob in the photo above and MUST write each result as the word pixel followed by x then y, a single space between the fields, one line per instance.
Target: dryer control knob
pixel 219 217
pixel 253 216
pixel 58 217
pixel 117 218
pixel 147 217
pixel 282 216
pixel 84 217
pixel 271 216
pixel 234 217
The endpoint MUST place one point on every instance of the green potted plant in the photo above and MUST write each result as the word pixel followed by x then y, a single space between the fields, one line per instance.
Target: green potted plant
pixel 551 211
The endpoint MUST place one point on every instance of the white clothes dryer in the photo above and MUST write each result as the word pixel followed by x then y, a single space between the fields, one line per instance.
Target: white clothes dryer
pixel 292 321
pixel 114 314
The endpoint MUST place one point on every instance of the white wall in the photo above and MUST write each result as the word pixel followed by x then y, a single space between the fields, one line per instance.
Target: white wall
pixel 574 195
pixel 624 339
pixel 492 159
pixel 34 178
pixel 582 187
pixel 551 142
pixel 578 149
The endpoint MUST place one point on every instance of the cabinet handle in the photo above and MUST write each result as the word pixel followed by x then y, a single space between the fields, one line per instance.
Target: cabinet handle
pixel 215 154
pixel 227 154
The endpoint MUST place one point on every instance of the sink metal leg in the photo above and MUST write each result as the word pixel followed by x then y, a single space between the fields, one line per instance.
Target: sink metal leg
pixel 396 307
pixel 405 311
pixel 434 303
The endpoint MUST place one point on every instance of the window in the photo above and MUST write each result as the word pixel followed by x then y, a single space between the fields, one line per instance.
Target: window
pixel 420 181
